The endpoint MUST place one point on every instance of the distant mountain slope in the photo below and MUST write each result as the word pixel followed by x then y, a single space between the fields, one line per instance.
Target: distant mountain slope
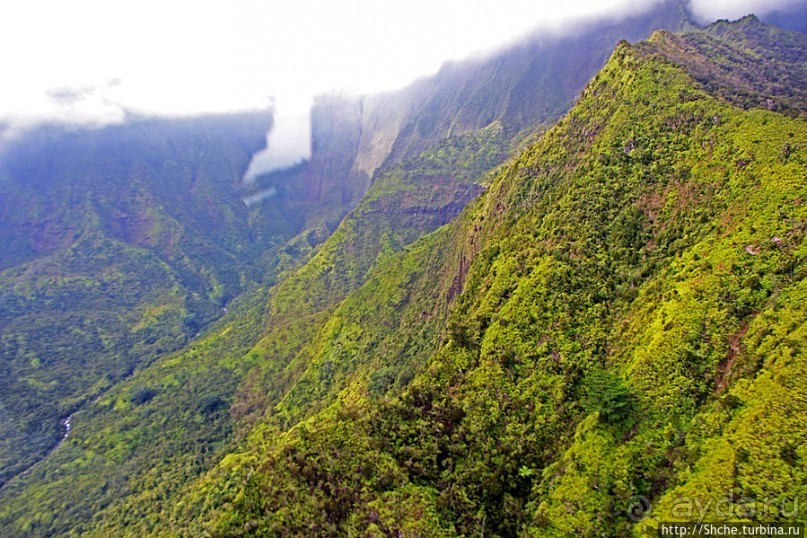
pixel 118 245
pixel 629 329
pixel 531 83
pixel 759 65
pixel 521 87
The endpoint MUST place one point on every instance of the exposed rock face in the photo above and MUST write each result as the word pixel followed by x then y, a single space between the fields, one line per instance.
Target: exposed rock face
pixel 522 87
pixel 336 129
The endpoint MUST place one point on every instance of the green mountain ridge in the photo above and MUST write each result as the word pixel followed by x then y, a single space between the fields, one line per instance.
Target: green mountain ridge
pixel 605 320
pixel 630 307
pixel 432 158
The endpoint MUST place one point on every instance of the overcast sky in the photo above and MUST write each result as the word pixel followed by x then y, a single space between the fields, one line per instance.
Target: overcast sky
pixel 84 60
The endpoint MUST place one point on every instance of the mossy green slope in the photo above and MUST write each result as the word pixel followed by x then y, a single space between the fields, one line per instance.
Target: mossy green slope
pixel 303 327
pixel 123 245
pixel 630 327
pixel 119 244
pixel 142 439
pixel 614 318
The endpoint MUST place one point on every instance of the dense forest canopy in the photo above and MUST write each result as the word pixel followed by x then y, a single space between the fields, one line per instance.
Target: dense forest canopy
pixel 484 307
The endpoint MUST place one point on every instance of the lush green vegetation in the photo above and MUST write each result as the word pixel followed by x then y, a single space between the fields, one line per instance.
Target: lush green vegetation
pixel 749 73
pixel 616 321
pixel 631 327
pixel 120 245
pixel 142 438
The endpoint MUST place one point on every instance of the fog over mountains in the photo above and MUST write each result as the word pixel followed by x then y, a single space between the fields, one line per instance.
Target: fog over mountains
pixel 374 269
pixel 80 63
pixel 289 143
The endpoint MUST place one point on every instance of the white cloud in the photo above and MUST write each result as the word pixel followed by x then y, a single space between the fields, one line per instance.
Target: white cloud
pixel 182 57
pixel 289 141
pixel 257 198
pixel 710 10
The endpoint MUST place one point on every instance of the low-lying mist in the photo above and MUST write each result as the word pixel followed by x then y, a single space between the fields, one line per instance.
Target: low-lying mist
pixel 289 140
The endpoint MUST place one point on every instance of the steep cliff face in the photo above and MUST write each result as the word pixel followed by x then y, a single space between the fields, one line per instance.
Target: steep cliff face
pixel 520 89
pixel 385 116
pixel 530 84
pixel 337 128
